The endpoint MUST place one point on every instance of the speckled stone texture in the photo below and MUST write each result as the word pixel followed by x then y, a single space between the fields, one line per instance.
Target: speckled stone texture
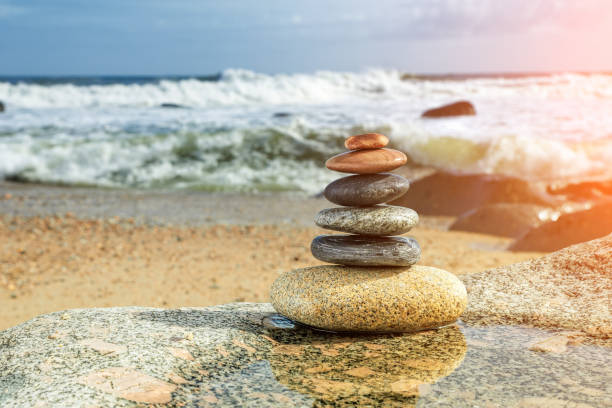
pixel 341 298
pixel 570 288
pixel 246 355
pixel 381 220
pixel 366 189
pixel 358 250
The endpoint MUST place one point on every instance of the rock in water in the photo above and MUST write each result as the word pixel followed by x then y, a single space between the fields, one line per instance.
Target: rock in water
pixel 568 229
pixel 366 189
pixel 341 298
pixel 504 219
pixel 443 193
pixel 367 161
pixel 359 250
pixel 378 220
pixel 460 108
pixel 366 141
pixel 171 105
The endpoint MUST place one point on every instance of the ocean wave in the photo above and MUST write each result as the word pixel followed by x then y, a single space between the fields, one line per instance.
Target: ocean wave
pixel 281 158
pixel 253 132
pixel 243 88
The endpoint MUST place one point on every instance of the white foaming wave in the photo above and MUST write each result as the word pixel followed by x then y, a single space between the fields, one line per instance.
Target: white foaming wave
pixel 507 154
pixel 242 87
pixel 282 157
pixel 236 87
pixel 239 159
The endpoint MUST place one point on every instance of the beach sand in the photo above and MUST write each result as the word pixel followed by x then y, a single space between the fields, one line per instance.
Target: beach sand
pixel 64 248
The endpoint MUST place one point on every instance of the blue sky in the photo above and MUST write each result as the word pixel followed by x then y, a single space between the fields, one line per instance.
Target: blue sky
pixel 149 37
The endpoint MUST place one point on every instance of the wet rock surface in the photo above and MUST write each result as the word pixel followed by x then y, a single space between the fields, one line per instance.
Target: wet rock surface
pixel 377 220
pixel 245 354
pixel 504 219
pixel 366 251
pixel 568 229
pixel 366 189
pixel 443 193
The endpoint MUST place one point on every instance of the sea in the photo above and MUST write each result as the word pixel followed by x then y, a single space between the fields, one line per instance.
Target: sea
pixel 240 130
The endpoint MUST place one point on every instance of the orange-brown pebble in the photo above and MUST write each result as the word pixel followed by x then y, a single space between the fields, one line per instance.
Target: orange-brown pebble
pixel 367 161
pixel 366 141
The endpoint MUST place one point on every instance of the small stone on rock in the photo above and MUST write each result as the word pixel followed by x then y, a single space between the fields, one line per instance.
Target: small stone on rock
pixel 366 141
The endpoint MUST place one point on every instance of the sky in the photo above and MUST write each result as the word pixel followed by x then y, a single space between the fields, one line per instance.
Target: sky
pixel 196 37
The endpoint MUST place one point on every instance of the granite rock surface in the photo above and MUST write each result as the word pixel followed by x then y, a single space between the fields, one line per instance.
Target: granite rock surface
pixel 366 189
pixel 360 250
pixel 246 355
pixel 368 299
pixel 381 220
pixel 570 288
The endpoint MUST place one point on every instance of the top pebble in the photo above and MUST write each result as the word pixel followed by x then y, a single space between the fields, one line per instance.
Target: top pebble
pixel 366 141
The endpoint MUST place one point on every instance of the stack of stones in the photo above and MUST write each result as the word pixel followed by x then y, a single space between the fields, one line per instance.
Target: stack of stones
pixel 374 285
pixel 373 224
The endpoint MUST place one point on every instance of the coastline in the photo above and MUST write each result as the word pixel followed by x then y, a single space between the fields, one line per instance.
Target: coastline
pixel 83 247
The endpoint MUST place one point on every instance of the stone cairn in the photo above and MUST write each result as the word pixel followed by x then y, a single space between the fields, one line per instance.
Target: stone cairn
pixel 374 286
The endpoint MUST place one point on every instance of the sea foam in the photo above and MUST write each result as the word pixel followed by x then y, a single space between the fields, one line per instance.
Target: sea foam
pixel 251 131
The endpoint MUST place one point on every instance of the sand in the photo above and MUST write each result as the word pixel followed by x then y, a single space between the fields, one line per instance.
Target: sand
pixel 64 248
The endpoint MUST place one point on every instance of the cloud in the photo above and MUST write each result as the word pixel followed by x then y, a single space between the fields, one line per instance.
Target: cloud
pixel 473 17
pixel 10 10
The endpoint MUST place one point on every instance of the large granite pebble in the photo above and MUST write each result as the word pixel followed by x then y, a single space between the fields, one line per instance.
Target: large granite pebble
pixel 378 220
pixel 366 141
pixel 358 250
pixel 341 298
pixel 367 161
pixel 366 189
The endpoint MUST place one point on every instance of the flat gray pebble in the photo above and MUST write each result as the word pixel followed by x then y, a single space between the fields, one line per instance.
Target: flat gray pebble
pixel 357 250
pixel 381 220
pixel 366 189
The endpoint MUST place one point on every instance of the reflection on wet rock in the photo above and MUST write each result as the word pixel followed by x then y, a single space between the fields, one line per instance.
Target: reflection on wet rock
pixel 379 370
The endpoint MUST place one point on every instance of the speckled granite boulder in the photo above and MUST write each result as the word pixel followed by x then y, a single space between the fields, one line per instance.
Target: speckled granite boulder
pixel 383 220
pixel 366 189
pixel 369 299
pixel 358 250
pixel 246 355
pixel 570 288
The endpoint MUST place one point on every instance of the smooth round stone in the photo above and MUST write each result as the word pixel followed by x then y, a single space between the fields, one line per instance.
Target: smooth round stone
pixel 341 298
pixel 366 141
pixel 380 220
pixel 359 250
pixel 367 161
pixel 366 189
